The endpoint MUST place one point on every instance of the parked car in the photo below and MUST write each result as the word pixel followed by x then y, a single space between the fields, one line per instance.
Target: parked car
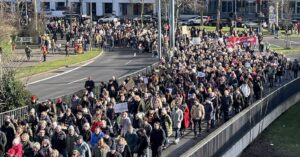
pixel 224 22
pixel 146 19
pixel 197 20
pixel 108 18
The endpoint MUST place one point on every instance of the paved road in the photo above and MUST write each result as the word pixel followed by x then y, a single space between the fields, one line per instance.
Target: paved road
pixel 117 63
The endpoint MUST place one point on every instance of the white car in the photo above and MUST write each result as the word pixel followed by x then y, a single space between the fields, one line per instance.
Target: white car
pixel 106 19
pixel 197 20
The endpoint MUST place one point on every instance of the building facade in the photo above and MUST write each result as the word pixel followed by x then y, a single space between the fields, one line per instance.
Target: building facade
pixel 99 7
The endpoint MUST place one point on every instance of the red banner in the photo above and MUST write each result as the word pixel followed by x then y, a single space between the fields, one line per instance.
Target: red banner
pixel 232 41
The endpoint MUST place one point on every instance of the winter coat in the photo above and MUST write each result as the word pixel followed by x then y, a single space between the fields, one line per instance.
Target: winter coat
pixel 26 146
pixel 86 134
pixel 209 110
pixel 95 138
pixel 157 138
pixel 10 135
pixel 132 140
pixel 100 151
pixel 3 142
pixel 84 149
pixel 45 152
pixel 177 117
pixel 18 150
pixel 143 144
pixel 70 140
pixel 166 122
pixel 109 154
pixel 58 141
pixel 197 111
pixel 238 100
pixel 186 117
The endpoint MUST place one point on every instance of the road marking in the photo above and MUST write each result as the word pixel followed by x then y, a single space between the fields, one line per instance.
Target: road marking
pixel 291 41
pixel 128 62
pixel 66 72
pixel 77 80
pixel 275 45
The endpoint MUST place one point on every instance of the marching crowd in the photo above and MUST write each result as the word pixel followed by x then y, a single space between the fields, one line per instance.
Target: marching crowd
pixel 195 84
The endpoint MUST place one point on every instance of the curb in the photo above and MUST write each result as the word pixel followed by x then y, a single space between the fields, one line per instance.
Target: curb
pixel 68 66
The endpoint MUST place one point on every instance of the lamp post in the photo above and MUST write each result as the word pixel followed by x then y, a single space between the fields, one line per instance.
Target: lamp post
pixel 159 29
pixel 172 23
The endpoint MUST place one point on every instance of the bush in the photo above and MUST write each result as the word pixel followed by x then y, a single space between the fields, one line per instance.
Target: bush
pixel 12 92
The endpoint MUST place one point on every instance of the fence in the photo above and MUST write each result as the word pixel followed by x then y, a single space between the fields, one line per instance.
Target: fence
pixel 22 112
pixel 234 136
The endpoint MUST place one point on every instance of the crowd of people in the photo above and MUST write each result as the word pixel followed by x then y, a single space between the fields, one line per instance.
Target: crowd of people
pixel 84 34
pixel 194 84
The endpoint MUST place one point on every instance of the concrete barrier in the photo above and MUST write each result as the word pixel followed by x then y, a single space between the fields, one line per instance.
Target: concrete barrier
pixel 235 135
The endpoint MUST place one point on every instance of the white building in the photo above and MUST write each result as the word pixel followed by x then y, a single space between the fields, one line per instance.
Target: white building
pixel 99 7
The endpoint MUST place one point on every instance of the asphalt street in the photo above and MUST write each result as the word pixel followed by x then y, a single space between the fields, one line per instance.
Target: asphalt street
pixel 116 63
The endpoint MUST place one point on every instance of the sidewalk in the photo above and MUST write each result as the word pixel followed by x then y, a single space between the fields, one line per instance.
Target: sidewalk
pixel 20 60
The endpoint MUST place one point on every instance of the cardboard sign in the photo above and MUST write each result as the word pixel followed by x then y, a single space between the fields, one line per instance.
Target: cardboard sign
pixel 121 107
pixel 196 40
pixel 146 80
pixel 129 85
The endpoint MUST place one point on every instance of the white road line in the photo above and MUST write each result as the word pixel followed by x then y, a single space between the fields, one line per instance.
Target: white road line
pixel 275 45
pixel 128 62
pixel 77 80
pixel 66 72
pixel 291 41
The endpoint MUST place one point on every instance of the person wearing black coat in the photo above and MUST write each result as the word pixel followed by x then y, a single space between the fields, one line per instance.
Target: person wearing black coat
pixel 58 140
pixel 3 142
pixel 157 139
pixel 143 143
pixel 238 101
pixel 9 131
pixel 258 88
pixel 226 107
pixel 89 85
pixel 80 122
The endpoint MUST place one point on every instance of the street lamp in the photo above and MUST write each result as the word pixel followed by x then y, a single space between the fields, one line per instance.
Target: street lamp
pixel 159 29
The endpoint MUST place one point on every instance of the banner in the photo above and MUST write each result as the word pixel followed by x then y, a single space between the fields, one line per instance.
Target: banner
pixel 121 107
pixel 232 41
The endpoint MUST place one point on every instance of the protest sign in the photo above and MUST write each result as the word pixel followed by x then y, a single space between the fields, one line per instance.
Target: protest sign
pixel 121 107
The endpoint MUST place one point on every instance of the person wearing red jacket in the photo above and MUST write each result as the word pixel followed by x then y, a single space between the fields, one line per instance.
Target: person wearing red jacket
pixel 186 118
pixel 16 149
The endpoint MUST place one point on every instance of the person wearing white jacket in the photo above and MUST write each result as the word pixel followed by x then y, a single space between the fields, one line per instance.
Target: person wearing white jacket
pixel 177 117
pixel 246 92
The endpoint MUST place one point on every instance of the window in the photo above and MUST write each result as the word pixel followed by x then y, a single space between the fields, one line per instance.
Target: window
pixel 45 6
pixel 292 6
pixel 298 8
pixel 108 8
pixel 124 8
pixel 227 6
pixel 60 5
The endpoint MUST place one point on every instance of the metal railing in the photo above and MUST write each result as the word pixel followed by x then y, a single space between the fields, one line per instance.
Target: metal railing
pixel 22 112
pixel 221 140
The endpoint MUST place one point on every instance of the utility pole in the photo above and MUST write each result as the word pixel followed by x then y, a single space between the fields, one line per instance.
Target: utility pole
pixel 159 29
pixel 218 14
pixel 282 3
pixel 235 16
pixel 35 15
pixel 91 11
pixel 277 12
pixel 172 23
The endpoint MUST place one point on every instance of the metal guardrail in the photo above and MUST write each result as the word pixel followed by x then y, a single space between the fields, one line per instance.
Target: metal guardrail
pixel 222 139
pixel 22 112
